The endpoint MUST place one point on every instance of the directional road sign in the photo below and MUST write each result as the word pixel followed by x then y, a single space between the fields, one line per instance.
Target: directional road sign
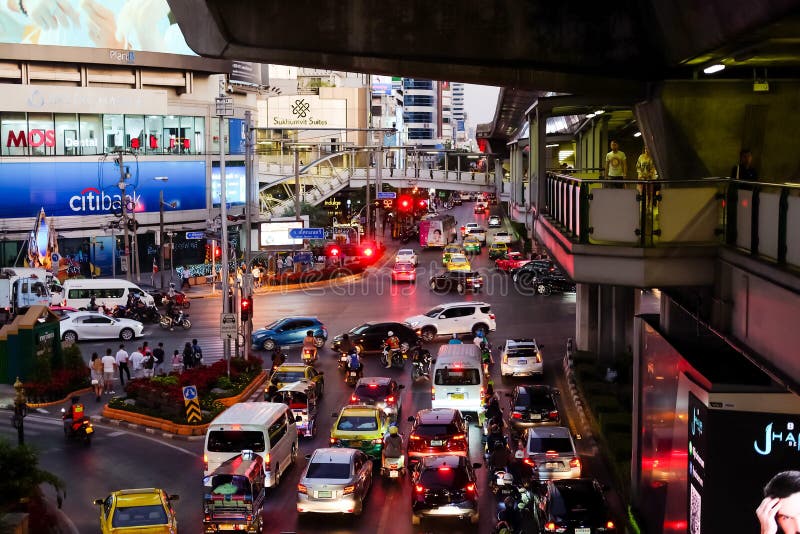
pixel 307 233
pixel 386 194
pixel 189 393
pixel 227 325
pixel 195 235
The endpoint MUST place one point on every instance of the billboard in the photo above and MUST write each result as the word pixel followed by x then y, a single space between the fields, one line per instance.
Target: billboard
pixel 276 234
pixel 234 183
pixel 306 111
pixel 122 26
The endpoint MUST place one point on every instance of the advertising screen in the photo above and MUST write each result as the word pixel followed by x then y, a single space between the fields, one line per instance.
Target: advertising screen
pixel 276 234
pixel 234 183
pixel 90 188
pixel 698 415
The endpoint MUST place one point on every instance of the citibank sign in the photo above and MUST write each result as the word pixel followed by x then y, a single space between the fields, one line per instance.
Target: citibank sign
pixel 46 138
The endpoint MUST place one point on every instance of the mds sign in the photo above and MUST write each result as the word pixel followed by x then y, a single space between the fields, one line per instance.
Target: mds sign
pixel 33 138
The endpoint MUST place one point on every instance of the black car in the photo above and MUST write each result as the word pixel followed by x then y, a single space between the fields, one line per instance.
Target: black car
pixel 456 281
pixel 525 275
pixel 457 200
pixel 444 486
pixel 547 283
pixel 575 505
pixel 370 336
pixel 533 405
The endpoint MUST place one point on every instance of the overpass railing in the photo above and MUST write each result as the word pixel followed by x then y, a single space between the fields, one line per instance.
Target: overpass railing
pixel 760 218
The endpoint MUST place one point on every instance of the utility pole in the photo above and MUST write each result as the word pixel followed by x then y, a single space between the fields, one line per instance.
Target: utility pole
pixel 379 183
pixel 249 186
pixel 296 183
pixel 124 204
pixel 224 107
pixel 368 207
pixel 161 238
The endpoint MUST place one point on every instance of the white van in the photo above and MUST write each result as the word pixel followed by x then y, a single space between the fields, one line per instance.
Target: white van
pixel 458 380
pixel 266 428
pixel 107 291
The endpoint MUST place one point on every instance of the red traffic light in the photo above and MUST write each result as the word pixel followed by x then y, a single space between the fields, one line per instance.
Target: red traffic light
pixel 246 308
pixel 423 203
pixel 404 203
pixel 332 250
pixel 217 252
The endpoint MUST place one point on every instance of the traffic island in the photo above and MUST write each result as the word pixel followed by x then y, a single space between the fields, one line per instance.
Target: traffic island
pixel 158 403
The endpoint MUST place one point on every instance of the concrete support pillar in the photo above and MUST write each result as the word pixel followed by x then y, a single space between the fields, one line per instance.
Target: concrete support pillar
pixel 586 313
pixel 538 159
pixel 498 175
pixel 616 308
pixel 517 175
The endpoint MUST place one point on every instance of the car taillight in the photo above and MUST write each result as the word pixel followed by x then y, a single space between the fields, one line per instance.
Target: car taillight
pixel 419 488
pixel 377 441
pixel 302 489
pixel 249 517
pixel 205 462
pixel 470 488
pixel 207 517
pixel 552 527
pixel 266 462
pixel 575 462
pixel 334 441
pixel 353 398
pixel 390 400
pixel 505 358
pixel 551 454
pixel 553 415
pixel 516 415
pixel 349 490
pixel 491 316
pixel 609 524
pixel 433 393
pixel 529 462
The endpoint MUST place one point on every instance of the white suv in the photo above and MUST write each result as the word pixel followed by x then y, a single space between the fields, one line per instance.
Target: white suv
pixel 467 227
pixel 521 357
pixel 453 318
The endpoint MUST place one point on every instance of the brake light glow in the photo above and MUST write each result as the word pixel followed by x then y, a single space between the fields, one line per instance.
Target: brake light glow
pixel 516 415
pixel 491 316
pixel 444 468
pixel 353 398
pixel 349 490
pixel 550 526
pixel 236 427
pixel 529 462
pixel 373 386
pixel 205 462
pixel 302 489
pixel 551 454
pixel 575 462
pixel 266 461
pixel 390 399
pixel 333 441
pixel 433 393
pixel 609 524
pixel 414 437
pixel 419 488
pixel 207 517
pixel 470 488
pixel 249 517
pixel 460 436
pixel 553 414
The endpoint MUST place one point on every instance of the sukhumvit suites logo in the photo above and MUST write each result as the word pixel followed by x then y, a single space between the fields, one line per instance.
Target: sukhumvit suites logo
pixel 92 199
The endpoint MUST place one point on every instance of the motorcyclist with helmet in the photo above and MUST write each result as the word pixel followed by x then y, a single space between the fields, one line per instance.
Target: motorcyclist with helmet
pixel 519 469
pixel 74 414
pixel 309 344
pixel 393 343
pixel 500 457
pixel 278 358
pixel 421 356
pixel 354 362
pixel 393 447
pixel 346 345
pixel 494 437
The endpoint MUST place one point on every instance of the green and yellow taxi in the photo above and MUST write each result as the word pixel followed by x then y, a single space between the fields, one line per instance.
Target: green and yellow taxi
pixel 459 262
pixel 497 250
pixel 472 245
pixel 361 427
pixel 290 373
pixel 449 250
pixel 144 511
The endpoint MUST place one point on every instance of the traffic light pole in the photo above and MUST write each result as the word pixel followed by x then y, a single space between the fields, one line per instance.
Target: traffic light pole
pixel 223 207
pixel 124 205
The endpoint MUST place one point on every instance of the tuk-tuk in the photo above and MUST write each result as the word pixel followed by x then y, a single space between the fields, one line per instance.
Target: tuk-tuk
pixel 301 398
pixel 234 494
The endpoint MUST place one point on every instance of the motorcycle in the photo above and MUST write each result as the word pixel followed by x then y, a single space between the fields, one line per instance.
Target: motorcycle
pixel 516 513
pixel 398 356
pixel 81 429
pixel 393 467
pixel 309 355
pixel 422 366
pixel 145 314
pixel 351 376
pixel 342 363
pixel 168 323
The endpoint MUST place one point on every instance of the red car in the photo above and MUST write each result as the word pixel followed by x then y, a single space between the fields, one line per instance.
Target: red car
pixel 404 272
pixel 510 262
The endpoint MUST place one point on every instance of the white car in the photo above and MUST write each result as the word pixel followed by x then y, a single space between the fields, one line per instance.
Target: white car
pixel 521 357
pixel 406 255
pixel 552 452
pixel 495 222
pixel 453 318
pixel 91 325
pixel 480 233
pixel 502 237
pixel 467 227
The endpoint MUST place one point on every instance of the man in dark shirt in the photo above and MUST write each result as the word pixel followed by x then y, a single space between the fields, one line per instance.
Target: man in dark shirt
pixel 744 170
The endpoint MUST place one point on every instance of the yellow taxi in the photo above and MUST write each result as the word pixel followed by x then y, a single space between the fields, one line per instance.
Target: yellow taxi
pixel 449 250
pixel 290 373
pixel 361 427
pixel 143 511
pixel 459 262
pixel 497 250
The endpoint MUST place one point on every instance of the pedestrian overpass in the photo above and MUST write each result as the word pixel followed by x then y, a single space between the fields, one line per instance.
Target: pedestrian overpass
pixel 331 173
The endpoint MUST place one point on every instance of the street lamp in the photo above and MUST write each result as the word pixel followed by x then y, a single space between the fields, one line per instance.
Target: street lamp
pixel 161 243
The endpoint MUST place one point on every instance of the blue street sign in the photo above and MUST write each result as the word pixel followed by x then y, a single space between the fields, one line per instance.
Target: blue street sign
pixel 386 194
pixel 307 233
pixel 189 392
pixel 195 235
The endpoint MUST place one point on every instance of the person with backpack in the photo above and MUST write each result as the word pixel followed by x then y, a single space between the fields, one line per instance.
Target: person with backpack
pixel 197 352
pixel 147 364
pixel 158 358
pixel 188 356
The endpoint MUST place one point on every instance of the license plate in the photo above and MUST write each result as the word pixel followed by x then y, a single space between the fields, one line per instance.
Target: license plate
pixel 90 430
pixel 457 396
pixel 324 494
pixel 536 416
pixel 522 362
pixel 355 444
pixel 583 531
pixel 353 373
pixel 394 474
pixel 437 442
pixel 551 465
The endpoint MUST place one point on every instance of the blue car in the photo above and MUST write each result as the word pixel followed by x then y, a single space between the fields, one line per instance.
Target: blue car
pixel 289 331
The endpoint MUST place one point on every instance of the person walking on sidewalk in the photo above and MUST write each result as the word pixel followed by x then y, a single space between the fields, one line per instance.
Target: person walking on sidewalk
pixel 158 358
pixel 185 274
pixel 109 366
pixel 137 359
pixel 188 356
pixel 96 368
pixel 197 354
pixel 122 364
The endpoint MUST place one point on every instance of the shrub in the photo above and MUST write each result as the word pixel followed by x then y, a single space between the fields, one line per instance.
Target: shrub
pixel 73 359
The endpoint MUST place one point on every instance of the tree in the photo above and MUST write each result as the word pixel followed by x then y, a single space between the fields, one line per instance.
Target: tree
pixel 21 476
pixel 317 216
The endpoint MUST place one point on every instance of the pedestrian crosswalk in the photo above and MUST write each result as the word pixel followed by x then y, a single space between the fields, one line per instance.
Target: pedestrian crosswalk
pixel 33 425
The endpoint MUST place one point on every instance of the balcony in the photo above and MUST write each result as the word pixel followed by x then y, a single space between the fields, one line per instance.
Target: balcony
pixel 665 233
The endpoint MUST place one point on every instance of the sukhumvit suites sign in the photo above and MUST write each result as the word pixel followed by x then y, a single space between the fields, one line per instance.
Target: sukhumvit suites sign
pixel 306 111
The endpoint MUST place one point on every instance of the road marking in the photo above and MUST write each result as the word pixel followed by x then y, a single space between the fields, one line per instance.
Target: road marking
pixel 118 433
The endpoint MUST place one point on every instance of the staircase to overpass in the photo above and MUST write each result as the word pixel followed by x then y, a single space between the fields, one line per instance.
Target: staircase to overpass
pixel 326 176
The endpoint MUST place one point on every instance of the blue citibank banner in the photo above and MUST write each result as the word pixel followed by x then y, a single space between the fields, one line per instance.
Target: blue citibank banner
pixel 91 188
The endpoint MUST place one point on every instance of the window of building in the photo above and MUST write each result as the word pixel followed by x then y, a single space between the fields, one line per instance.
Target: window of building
pixel 420 133
pixel 199 140
pixel 186 140
pixel 410 83
pixel 67 143
pixel 153 132
pixel 90 134
pixel 134 132
pixel 418 100
pixel 418 116
pixel 41 134
pixel 113 132
pixel 172 134
pixel 14 132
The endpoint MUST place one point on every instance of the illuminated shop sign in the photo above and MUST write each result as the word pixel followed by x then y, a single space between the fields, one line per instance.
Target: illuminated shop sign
pixel 307 111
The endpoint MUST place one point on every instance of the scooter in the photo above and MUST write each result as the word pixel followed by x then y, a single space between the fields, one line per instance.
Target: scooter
pixel 398 356
pixel 422 367
pixel 309 355
pixel 342 363
pixel 393 467
pixel 168 323
pixel 81 429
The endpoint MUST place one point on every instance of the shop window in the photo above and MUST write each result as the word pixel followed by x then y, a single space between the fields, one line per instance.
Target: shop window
pixel 186 143
pixel 14 133
pixel 113 132
pixel 90 134
pixel 153 130
pixel 172 134
pixel 41 134
pixel 134 131
pixel 199 139
pixel 67 142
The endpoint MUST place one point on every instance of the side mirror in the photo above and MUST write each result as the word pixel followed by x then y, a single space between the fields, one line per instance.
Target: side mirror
pixel 308 457
pixel 401 386
pixel 298 419
pixel 98 501
pixel 174 497
pixel 410 419
pixel 477 465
